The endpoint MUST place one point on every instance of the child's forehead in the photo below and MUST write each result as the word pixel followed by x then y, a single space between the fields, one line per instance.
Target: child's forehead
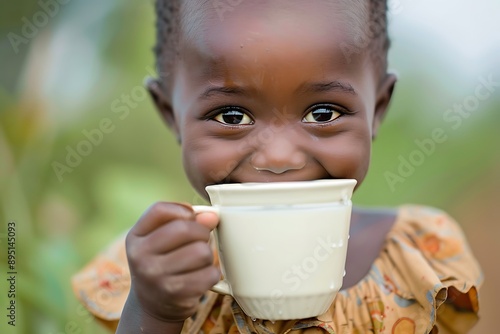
pixel 259 43
pixel 348 17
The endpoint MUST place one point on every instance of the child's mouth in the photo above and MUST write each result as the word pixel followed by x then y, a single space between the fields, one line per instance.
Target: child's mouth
pixel 271 177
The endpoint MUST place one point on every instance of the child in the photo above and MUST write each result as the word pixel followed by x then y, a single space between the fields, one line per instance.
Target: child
pixel 267 91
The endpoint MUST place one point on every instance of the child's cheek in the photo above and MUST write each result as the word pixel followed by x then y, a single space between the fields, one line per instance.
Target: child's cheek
pixel 207 161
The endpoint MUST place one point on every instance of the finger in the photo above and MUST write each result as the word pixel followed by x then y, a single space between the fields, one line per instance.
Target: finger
pixel 191 257
pixel 191 284
pixel 208 219
pixel 173 235
pixel 159 214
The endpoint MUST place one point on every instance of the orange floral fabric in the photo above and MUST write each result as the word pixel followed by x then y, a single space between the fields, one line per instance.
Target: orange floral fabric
pixel 425 280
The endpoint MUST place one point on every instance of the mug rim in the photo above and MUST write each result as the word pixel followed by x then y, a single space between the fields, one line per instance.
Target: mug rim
pixel 286 185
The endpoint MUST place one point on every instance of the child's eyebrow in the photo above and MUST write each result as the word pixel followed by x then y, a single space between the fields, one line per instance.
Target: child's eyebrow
pixel 223 90
pixel 309 87
pixel 327 86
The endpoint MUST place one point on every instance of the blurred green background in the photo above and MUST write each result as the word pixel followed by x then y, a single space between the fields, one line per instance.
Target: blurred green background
pixel 85 64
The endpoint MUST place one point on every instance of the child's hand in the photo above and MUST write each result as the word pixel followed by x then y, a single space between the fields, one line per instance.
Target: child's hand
pixel 171 262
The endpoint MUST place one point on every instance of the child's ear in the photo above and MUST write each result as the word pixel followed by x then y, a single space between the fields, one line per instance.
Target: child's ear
pixel 384 95
pixel 163 104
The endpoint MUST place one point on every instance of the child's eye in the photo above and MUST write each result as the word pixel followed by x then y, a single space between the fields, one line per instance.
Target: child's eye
pixel 232 116
pixel 321 114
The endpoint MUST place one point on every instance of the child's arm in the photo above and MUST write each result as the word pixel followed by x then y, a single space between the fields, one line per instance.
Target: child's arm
pixel 134 318
pixel 171 266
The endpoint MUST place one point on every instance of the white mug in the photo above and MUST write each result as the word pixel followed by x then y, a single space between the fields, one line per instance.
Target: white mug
pixel 282 245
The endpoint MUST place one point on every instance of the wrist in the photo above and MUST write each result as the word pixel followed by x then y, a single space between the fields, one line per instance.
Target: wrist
pixel 135 320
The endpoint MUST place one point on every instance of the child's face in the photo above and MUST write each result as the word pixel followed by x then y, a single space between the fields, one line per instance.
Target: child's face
pixel 264 93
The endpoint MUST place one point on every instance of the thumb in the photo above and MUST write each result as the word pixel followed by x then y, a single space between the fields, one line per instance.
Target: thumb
pixel 208 219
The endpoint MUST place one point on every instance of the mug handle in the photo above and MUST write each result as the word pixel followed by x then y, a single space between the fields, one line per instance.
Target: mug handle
pixel 205 208
pixel 222 286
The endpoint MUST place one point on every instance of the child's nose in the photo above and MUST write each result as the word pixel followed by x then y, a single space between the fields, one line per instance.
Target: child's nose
pixel 278 156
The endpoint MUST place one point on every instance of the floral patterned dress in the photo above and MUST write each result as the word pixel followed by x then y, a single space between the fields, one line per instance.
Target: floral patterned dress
pixel 425 280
